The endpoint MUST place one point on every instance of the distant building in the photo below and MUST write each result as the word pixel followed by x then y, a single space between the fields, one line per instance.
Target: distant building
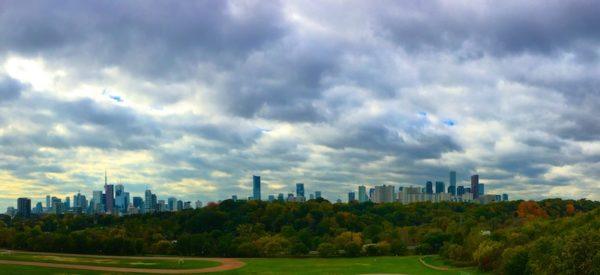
pixel 383 194
pixel 234 198
pixel 460 190
pixel 452 190
pixel 149 202
pixel 271 198
pixel 439 187
pixel 480 189
pixel 475 186
pixel 504 197
pixel 109 198
pixel 138 203
pixel 179 205
pixel 172 204
pixel 429 187
pixel 300 189
pixel 256 187
pixel 318 194
pixel 371 193
pixel 453 179
pixel 198 204
pixel 362 194
pixel 351 196
pixel 280 197
pixel 39 208
pixel 23 207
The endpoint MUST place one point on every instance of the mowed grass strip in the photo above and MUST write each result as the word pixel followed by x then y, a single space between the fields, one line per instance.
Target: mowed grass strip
pixel 111 262
pixel 363 265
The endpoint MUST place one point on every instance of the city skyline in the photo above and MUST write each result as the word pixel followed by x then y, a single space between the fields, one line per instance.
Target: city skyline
pixel 188 99
pixel 116 201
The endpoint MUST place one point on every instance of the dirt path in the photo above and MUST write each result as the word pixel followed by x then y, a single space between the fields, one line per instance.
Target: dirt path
pixel 226 264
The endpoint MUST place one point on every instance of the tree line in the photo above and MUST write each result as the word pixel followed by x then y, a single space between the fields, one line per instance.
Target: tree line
pixel 552 236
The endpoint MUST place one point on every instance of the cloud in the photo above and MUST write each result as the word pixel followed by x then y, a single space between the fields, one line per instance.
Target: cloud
pixel 10 89
pixel 192 99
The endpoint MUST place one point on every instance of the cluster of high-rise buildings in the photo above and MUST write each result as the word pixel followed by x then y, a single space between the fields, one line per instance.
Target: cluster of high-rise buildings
pixel 388 193
pixel 430 192
pixel 116 201
pixel 112 200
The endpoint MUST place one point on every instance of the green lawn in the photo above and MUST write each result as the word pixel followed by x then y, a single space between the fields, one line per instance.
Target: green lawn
pixel 113 262
pixel 364 265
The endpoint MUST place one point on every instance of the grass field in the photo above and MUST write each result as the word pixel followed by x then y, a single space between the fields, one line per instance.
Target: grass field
pixel 365 265
pixel 114 262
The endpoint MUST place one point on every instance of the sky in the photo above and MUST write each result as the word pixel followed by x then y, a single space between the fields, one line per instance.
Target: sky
pixel 191 98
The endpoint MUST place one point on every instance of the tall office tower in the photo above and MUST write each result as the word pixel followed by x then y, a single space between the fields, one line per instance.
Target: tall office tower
pixel 148 206
pixel 467 189
pixel 475 186
pixel 120 198
pixel 439 187
pixel 453 178
pixel 138 203
pixel 179 206
pixel 119 189
pixel 299 189
pixel 480 189
pixel 351 196
pixel 198 204
pixel 311 196
pixel 154 201
pixel 280 197
pixel 109 194
pixel 383 193
pixel 171 203
pixel 318 194
pixel 256 188
pixel 23 207
pixel 187 205
pixel 362 194
pixel 271 198
pixel 460 190
pixel 504 197
pixel 67 203
pixel 371 193
pixel 429 187
pixel 233 197
pixel 97 201
pixel 48 203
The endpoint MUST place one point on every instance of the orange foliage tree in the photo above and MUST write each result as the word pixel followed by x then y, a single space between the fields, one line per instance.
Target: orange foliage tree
pixel 530 210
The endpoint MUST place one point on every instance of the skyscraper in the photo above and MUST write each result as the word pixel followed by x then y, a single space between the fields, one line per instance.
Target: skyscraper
pixel 351 196
pixel 48 203
pixel 317 194
pixel 110 198
pixel 452 178
pixel 452 190
pixel 362 194
pixel 23 207
pixel 299 189
pixel 256 187
pixel 172 203
pixel 481 189
pixel 148 202
pixel 505 197
pixel 460 190
pixel 475 186
pixel 429 187
pixel 439 187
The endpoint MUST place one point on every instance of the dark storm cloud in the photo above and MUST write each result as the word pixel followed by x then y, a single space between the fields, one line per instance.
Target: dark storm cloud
pixel 159 39
pixel 498 28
